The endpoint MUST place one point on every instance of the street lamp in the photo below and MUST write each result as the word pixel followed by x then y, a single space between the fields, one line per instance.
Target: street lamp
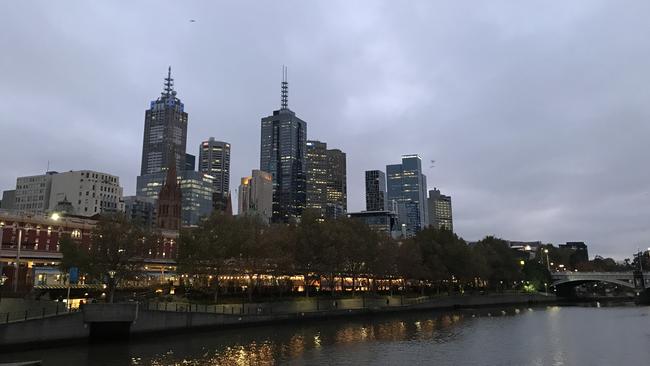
pixel 3 278
pixel 548 265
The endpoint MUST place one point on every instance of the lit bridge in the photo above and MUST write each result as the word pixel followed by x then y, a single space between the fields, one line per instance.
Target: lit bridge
pixel 633 280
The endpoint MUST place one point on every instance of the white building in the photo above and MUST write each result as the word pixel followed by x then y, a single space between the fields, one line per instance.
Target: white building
pixel 256 195
pixel 86 192
pixel 33 192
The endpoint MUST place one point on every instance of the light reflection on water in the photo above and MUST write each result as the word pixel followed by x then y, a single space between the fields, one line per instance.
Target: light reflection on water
pixel 513 336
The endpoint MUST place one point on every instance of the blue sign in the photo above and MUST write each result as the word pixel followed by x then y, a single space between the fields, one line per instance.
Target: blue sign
pixel 74 275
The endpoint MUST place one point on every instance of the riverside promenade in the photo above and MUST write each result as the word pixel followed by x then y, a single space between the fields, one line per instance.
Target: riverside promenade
pixel 110 321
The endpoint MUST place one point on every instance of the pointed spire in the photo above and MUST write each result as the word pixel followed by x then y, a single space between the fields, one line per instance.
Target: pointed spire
pixel 171 179
pixel 285 89
pixel 169 83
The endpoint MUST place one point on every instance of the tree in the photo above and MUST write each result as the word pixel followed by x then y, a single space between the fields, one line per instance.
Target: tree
pixel 502 265
pixel 115 255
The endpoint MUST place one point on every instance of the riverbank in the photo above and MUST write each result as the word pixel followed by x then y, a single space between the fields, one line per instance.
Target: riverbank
pixel 110 321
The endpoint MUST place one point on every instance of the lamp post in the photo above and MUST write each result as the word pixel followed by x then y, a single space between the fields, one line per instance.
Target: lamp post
pixel 2 230
pixel 548 265
pixel 17 266
pixel 111 275
pixel 3 278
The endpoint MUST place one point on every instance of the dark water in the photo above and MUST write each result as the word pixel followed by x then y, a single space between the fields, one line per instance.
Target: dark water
pixel 539 336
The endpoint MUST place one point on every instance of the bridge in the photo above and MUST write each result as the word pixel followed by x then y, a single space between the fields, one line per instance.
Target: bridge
pixel 633 280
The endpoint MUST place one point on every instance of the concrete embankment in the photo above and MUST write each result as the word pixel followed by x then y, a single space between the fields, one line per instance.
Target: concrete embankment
pixel 122 320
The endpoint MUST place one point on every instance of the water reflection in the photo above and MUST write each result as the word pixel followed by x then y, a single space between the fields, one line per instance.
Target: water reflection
pixel 472 337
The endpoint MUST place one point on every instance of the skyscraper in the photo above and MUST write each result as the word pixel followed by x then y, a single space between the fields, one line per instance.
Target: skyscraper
pixel 440 214
pixel 376 199
pixel 282 153
pixel 326 180
pixel 165 138
pixel 407 186
pixel 256 196
pixel 214 160
pixel 165 131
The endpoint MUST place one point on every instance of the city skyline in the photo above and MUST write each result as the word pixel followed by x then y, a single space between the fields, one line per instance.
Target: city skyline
pixel 544 164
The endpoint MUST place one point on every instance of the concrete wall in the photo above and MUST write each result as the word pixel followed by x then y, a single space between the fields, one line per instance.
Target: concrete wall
pixel 46 330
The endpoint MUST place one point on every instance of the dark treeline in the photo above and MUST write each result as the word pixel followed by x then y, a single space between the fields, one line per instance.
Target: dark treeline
pixel 324 252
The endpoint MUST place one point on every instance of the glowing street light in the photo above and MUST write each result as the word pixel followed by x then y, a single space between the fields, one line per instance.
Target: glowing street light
pixel 55 216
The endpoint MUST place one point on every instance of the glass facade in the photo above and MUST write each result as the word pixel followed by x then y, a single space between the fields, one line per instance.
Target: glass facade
pixel 407 188
pixel 282 153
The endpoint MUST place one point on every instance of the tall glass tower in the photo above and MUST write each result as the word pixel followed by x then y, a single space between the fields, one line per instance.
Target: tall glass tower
pixel 282 153
pixel 165 131
pixel 407 187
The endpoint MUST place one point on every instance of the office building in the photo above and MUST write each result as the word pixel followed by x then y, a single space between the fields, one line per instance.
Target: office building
pixel 385 222
pixel 407 186
pixel 84 192
pixel 376 198
pixel 196 193
pixel 165 132
pixel 8 200
pixel 282 154
pixel 326 180
pixel 190 162
pixel 256 196
pixel 214 160
pixel 440 214
pixel 141 210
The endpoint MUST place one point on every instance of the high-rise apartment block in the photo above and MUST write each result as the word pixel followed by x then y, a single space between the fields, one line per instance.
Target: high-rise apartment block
pixel 407 186
pixel 214 160
pixel 165 132
pixel 256 196
pixel 440 214
pixel 282 153
pixel 376 198
pixel 326 180
pixel 86 192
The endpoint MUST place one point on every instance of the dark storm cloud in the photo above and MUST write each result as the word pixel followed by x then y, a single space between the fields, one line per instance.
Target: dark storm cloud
pixel 536 113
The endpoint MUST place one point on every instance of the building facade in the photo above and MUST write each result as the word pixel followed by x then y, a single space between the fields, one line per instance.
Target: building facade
pixel 89 192
pixel 141 210
pixel 196 193
pixel 165 132
pixel 326 180
pixel 282 154
pixel 86 192
pixel 440 213
pixel 32 193
pixel 407 186
pixel 385 222
pixel 38 235
pixel 8 200
pixel 256 196
pixel 376 198
pixel 214 160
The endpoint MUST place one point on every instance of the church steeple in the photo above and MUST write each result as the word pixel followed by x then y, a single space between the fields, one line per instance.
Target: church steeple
pixel 170 199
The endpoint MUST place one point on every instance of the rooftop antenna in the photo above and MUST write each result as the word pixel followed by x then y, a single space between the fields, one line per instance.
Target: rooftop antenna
pixel 169 82
pixel 285 89
pixel 48 166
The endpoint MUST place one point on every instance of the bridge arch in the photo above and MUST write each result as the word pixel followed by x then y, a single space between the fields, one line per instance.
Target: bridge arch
pixel 578 281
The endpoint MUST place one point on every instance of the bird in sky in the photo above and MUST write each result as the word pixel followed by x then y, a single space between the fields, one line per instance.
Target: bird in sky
pixel 192 21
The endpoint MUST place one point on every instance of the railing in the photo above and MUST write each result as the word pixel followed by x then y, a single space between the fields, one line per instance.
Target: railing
pixel 298 306
pixel 39 313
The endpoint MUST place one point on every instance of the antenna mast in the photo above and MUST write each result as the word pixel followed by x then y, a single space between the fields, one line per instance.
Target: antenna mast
pixel 285 89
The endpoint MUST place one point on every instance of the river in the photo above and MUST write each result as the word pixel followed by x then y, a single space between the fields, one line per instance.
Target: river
pixel 567 335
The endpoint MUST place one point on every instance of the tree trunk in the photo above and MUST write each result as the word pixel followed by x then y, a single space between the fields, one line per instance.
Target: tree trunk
pixel 306 282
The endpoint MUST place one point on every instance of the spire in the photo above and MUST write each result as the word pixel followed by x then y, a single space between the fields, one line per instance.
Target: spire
pixel 285 89
pixel 169 83
pixel 171 179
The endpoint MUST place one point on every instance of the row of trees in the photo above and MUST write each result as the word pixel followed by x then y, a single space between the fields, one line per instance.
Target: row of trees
pixel 321 251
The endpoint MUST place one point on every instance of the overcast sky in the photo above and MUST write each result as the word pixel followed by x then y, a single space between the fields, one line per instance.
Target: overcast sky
pixel 536 113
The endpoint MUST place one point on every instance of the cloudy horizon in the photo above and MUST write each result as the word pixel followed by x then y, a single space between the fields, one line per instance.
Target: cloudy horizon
pixel 535 113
